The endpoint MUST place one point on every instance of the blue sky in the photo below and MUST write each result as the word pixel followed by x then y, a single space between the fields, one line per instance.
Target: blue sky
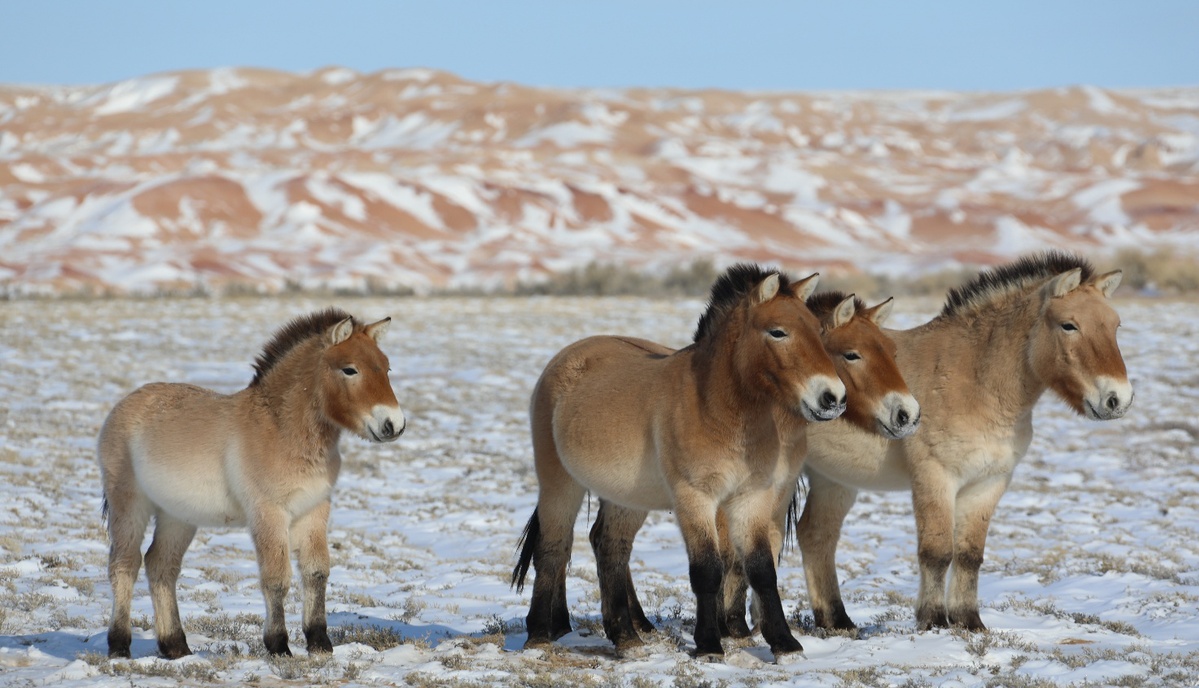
pixel 956 45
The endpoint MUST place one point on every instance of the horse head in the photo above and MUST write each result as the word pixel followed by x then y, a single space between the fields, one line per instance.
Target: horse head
pixel 1074 349
pixel 355 389
pixel 781 352
pixel 879 400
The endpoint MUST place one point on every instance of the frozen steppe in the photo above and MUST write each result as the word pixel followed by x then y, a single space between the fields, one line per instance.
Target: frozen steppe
pixel 1091 577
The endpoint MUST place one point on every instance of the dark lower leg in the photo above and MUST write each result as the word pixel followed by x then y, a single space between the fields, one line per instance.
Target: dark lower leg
pixel 760 570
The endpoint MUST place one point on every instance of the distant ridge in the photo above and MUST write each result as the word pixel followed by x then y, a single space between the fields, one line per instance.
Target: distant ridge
pixel 418 179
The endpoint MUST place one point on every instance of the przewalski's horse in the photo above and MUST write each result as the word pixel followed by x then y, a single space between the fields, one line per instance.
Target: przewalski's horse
pixel 265 457
pixel 694 430
pixel 878 402
pixel 978 369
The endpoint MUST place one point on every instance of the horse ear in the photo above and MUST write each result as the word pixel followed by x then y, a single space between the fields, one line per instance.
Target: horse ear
pixel 804 287
pixel 341 331
pixel 377 330
pixel 1108 283
pixel 1065 283
pixel 844 311
pixel 879 314
pixel 768 288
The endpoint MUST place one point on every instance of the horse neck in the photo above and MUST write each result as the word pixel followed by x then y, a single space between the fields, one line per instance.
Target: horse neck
pixel 288 391
pixel 723 392
pixel 993 345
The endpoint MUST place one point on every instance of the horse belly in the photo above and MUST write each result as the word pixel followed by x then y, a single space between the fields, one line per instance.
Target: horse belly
pixel 191 488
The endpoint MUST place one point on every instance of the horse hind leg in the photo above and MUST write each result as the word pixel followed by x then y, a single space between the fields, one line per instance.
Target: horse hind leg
pixel 129 513
pixel 164 559
pixel 612 540
pixel 818 531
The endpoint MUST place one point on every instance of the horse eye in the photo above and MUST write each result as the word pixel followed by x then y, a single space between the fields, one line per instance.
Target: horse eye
pixel 852 356
pixel 1069 327
pixel 349 371
pixel 777 333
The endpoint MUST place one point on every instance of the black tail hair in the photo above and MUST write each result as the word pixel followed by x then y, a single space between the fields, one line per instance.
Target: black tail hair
pixel 527 544
pixel 791 534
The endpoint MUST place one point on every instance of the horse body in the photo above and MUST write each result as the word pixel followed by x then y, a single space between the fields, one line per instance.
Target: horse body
pixel 978 370
pixel 644 427
pixel 265 457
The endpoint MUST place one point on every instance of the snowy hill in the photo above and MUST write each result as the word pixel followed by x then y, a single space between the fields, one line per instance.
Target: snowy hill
pixel 420 179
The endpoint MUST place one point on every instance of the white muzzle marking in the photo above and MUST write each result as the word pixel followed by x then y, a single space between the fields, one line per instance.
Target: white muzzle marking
pixel 898 415
pixel 823 398
pixel 1108 399
pixel 385 424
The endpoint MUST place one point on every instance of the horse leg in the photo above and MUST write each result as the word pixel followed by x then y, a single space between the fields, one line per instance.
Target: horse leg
pixel 269 530
pixel 309 535
pixel 172 537
pixel 128 515
pixel 696 514
pixel 612 540
pixel 818 531
pixel 975 506
pixel 734 587
pixel 932 501
pixel 557 508
pixel 752 531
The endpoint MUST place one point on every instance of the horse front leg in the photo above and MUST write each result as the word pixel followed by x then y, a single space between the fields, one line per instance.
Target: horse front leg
pixel 975 506
pixel 818 531
pixel 696 515
pixel 933 504
pixel 612 540
pixel 269 529
pixel 754 535
pixel 735 587
pixel 309 538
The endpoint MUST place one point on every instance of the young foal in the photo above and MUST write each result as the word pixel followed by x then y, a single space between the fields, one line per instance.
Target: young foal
pixel 878 402
pixel 694 430
pixel 978 368
pixel 265 457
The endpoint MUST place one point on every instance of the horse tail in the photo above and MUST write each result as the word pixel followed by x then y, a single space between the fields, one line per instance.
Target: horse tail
pixel 527 544
pixel 791 532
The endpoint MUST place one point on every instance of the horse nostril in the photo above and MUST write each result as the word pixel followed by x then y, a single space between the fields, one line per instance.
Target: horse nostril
pixel 388 429
pixel 828 400
pixel 1113 401
pixel 902 417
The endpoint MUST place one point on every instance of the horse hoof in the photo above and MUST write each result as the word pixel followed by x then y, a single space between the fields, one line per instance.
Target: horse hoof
pixel 928 619
pixel 318 640
pixel 709 655
pixel 969 620
pixel 174 646
pixel 276 645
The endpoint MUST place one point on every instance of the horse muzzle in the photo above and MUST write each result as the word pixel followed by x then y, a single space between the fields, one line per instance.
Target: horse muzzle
pixel 1110 399
pixel 385 424
pixel 899 416
pixel 824 401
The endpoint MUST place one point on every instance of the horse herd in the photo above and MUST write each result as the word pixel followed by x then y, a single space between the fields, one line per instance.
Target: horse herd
pixel 719 432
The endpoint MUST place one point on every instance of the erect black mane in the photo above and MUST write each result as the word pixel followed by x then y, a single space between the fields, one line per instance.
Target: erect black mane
pixel 1004 279
pixel 822 304
pixel 291 335
pixel 729 289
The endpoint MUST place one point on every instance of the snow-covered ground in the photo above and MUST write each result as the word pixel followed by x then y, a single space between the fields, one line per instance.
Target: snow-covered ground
pixel 1092 573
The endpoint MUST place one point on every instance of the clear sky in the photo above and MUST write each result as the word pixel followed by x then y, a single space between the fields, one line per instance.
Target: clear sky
pixel 747 44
